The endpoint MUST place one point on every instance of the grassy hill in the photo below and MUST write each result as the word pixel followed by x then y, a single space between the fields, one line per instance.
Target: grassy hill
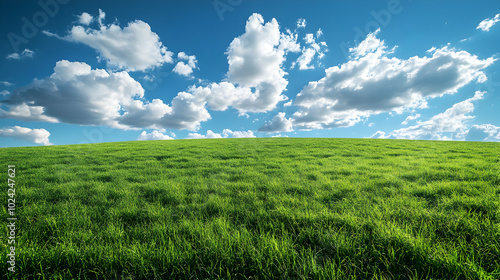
pixel 274 208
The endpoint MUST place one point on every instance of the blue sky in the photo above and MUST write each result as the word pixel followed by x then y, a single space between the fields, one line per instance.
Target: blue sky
pixel 98 71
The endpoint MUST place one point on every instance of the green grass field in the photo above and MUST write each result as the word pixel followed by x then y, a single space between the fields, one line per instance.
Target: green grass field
pixel 266 208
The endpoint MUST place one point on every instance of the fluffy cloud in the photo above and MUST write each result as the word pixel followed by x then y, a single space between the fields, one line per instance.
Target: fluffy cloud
pixel 449 125
pixel 301 23
pixel 278 124
pixel 76 94
pixel 255 78
pixel 255 59
pixel 226 133
pixel 187 113
pixel 85 18
pixel 483 132
pixel 38 136
pixel 132 48
pixel 311 50
pixel 79 95
pixel 288 42
pixel 27 53
pixel 372 83
pixel 185 68
pixel 220 96
pixel 486 24
pixel 155 135
pixel 210 134
pixel 25 112
pixel 141 114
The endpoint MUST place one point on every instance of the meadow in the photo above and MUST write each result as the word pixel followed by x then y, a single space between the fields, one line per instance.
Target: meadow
pixel 264 208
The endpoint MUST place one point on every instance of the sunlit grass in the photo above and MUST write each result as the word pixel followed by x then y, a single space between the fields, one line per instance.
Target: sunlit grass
pixel 257 209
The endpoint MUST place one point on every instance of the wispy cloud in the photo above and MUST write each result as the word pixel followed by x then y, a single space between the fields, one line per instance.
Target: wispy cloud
pixel 410 118
pixel 27 53
pixel 452 124
pixel 486 24
pixel 483 132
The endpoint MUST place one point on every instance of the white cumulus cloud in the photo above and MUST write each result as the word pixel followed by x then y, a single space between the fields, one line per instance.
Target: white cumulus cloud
pixel 301 23
pixel 186 65
pixel 210 134
pixel 85 18
pixel 76 94
pixel 38 136
pixel 154 135
pixel 255 61
pixel 255 78
pixel 371 82
pixel 278 123
pixel 226 133
pixel 134 47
